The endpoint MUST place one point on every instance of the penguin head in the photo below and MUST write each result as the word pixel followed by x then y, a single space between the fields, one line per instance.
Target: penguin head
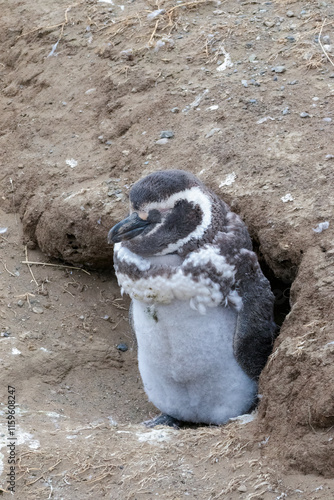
pixel 168 209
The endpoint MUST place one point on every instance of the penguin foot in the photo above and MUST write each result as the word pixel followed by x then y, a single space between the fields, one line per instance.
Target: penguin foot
pixel 163 419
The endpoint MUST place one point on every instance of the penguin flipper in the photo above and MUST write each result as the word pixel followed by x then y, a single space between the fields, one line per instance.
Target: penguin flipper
pixel 255 330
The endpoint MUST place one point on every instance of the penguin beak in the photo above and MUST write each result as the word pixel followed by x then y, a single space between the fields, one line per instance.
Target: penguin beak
pixel 127 229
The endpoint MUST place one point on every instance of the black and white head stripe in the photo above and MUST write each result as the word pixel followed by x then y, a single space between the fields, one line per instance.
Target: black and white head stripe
pixel 159 186
pixel 187 200
pixel 168 210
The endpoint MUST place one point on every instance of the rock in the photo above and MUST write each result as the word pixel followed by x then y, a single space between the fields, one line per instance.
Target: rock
pixel 122 347
pixel 37 310
pixel 212 132
pixel 303 114
pixel 279 69
pixel 175 110
pixel 166 134
pixel 286 111
pixel 127 54
pixel 327 119
pixel 20 303
pixel 31 245
pixel 244 83
pixel 290 13
pixel 242 488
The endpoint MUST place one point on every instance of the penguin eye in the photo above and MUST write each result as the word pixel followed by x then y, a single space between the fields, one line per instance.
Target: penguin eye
pixel 154 216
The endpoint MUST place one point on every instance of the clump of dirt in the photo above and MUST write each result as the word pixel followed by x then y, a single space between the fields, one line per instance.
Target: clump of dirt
pixel 86 90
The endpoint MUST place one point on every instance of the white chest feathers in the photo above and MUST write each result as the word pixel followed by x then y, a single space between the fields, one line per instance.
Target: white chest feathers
pixel 167 278
pixel 187 363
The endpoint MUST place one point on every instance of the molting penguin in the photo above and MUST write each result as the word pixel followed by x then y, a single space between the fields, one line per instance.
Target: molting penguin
pixel 202 311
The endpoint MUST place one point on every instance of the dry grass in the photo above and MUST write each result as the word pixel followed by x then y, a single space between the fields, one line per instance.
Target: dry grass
pixel 140 459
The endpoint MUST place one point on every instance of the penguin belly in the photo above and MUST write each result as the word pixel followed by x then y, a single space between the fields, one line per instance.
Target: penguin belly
pixel 187 363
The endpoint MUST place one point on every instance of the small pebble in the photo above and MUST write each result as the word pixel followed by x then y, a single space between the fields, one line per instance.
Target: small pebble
pixel 293 82
pixel 127 54
pixel 166 134
pixel 175 110
pixel 20 303
pixel 290 38
pixel 37 310
pixel 244 83
pixel 255 83
pixel 212 132
pixel 286 111
pixel 327 119
pixel 290 13
pixel 122 347
pixel 252 101
pixel 303 114
pixel 287 197
pixel 279 69
pixel 31 245
pixel 214 107
pixel 242 488
pixel 326 40
pixel 161 141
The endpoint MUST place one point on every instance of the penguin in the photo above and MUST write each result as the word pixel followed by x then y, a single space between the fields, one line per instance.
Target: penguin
pixel 202 310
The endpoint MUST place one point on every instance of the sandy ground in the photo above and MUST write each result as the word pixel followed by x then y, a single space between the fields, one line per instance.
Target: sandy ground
pixel 86 90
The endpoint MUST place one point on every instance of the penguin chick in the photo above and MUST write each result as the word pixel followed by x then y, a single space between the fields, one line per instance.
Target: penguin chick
pixel 202 311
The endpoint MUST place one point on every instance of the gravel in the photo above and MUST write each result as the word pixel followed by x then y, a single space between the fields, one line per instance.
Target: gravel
pixel 166 134
pixel 279 69
pixel 122 347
